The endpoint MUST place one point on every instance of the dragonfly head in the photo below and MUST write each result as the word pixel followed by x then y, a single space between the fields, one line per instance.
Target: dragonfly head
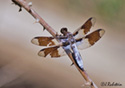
pixel 64 31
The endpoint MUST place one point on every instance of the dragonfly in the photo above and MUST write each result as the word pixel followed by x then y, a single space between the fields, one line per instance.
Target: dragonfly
pixel 69 43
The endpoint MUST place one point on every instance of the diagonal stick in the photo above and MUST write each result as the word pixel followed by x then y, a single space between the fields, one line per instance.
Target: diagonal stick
pixel 36 16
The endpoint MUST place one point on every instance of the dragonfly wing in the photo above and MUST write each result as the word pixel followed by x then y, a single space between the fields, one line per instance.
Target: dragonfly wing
pixel 90 39
pixel 85 28
pixel 52 51
pixel 44 41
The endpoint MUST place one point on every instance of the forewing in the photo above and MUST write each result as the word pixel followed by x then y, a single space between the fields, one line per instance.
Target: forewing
pixel 44 41
pixel 90 39
pixel 85 28
pixel 55 51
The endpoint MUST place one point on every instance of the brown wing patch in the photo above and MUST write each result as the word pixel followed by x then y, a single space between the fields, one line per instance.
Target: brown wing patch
pixel 85 28
pixel 51 51
pixel 90 39
pixel 88 24
pixel 44 41
pixel 95 36
pixel 55 53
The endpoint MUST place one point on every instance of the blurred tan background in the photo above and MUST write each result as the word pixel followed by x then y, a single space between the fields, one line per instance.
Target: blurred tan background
pixel 20 67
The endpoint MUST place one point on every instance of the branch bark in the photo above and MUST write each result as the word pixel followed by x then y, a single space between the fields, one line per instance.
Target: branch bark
pixel 26 6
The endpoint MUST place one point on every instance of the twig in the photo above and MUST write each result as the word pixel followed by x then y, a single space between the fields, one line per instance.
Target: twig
pixel 27 6
pixel 16 3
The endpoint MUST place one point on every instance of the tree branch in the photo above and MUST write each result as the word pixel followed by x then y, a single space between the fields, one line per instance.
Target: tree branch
pixel 27 6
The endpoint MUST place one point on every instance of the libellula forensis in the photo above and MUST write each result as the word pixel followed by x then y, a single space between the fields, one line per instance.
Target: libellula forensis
pixel 80 39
